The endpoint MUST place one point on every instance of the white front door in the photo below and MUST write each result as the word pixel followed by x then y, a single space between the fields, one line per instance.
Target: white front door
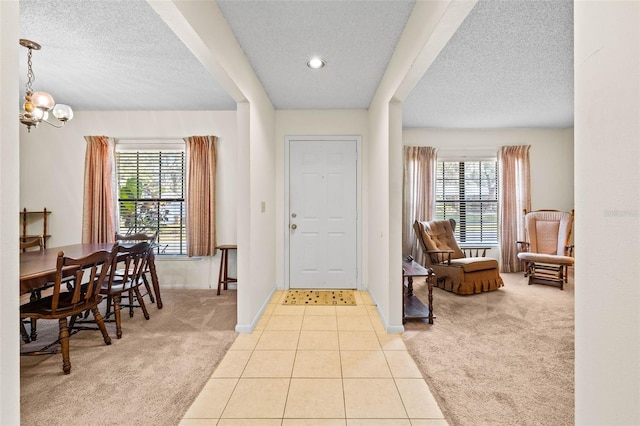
pixel 322 216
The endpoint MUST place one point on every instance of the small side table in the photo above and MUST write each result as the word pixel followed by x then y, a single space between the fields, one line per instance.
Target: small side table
pixel 223 276
pixel 412 307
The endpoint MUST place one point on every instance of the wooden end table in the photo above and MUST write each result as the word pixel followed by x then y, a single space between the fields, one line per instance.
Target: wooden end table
pixel 412 307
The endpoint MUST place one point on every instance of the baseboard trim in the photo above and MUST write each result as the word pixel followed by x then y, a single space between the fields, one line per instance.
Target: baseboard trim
pixel 248 328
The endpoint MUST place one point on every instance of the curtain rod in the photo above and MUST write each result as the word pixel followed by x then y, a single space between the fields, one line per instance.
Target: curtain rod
pixel 469 148
pixel 163 138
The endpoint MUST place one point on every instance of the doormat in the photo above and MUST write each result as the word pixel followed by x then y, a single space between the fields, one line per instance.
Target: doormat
pixel 320 297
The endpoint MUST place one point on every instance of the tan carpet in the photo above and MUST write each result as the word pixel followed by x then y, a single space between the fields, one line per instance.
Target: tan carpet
pixel 319 297
pixel 149 377
pixel 500 358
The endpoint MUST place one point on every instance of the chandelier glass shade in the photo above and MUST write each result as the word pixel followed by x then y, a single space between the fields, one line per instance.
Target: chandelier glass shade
pixel 37 105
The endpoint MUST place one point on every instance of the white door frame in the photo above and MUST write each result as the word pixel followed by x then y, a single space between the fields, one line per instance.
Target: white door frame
pixel 287 213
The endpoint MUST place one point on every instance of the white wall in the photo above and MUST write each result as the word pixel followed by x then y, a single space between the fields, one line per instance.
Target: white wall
pixel 311 123
pixel 607 158
pixel 52 175
pixel 551 156
pixel 9 175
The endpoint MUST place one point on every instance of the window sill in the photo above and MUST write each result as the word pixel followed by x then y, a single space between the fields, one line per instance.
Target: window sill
pixel 481 245
pixel 176 257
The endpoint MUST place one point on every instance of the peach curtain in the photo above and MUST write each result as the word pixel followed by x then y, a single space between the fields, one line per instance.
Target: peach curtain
pixel 201 195
pixel 99 208
pixel 515 197
pixel 418 201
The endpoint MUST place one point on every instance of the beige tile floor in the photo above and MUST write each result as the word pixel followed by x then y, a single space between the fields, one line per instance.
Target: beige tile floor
pixel 316 365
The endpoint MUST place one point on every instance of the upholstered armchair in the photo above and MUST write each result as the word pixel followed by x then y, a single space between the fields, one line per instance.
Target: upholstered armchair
pixel 547 251
pixel 460 271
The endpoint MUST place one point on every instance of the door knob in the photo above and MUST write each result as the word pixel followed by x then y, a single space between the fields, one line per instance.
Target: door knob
pixel 294 226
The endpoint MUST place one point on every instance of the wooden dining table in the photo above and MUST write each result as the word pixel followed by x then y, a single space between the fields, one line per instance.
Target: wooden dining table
pixel 37 268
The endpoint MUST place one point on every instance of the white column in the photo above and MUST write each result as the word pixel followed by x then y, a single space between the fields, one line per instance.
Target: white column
pixel 9 224
pixel 607 200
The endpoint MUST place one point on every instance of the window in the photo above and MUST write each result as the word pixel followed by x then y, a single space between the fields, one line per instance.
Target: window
pixel 151 189
pixel 467 191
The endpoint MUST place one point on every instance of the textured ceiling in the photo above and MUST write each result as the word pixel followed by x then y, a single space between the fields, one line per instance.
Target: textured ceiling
pixel 114 55
pixel 509 65
pixel 355 38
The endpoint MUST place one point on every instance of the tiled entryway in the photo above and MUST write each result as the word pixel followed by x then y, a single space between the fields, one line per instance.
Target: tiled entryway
pixel 316 365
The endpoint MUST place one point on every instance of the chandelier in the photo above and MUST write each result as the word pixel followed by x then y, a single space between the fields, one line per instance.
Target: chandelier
pixel 38 104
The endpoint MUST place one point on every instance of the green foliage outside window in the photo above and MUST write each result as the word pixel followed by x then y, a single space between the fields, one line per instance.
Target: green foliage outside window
pixel 151 196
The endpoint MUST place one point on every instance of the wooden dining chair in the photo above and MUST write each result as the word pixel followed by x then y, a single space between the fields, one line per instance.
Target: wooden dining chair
pixel 32 242
pixel 126 279
pixel 26 244
pixel 90 272
pixel 136 238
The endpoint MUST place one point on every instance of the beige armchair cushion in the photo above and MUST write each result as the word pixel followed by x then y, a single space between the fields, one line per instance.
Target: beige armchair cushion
pixel 472 264
pixel 438 235
pixel 544 229
pixel 546 258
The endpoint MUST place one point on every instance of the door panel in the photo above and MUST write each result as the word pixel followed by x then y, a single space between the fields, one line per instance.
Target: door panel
pixel 322 214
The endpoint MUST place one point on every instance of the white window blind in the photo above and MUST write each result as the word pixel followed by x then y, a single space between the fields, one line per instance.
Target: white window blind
pixel 467 191
pixel 151 188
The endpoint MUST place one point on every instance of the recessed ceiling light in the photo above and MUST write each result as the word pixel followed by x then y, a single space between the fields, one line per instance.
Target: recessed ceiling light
pixel 316 63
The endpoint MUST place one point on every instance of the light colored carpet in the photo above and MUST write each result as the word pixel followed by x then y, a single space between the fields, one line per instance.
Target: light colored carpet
pixel 319 297
pixel 504 357
pixel 149 377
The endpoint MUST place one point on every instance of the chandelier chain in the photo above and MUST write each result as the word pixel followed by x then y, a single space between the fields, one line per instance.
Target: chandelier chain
pixel 30 75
